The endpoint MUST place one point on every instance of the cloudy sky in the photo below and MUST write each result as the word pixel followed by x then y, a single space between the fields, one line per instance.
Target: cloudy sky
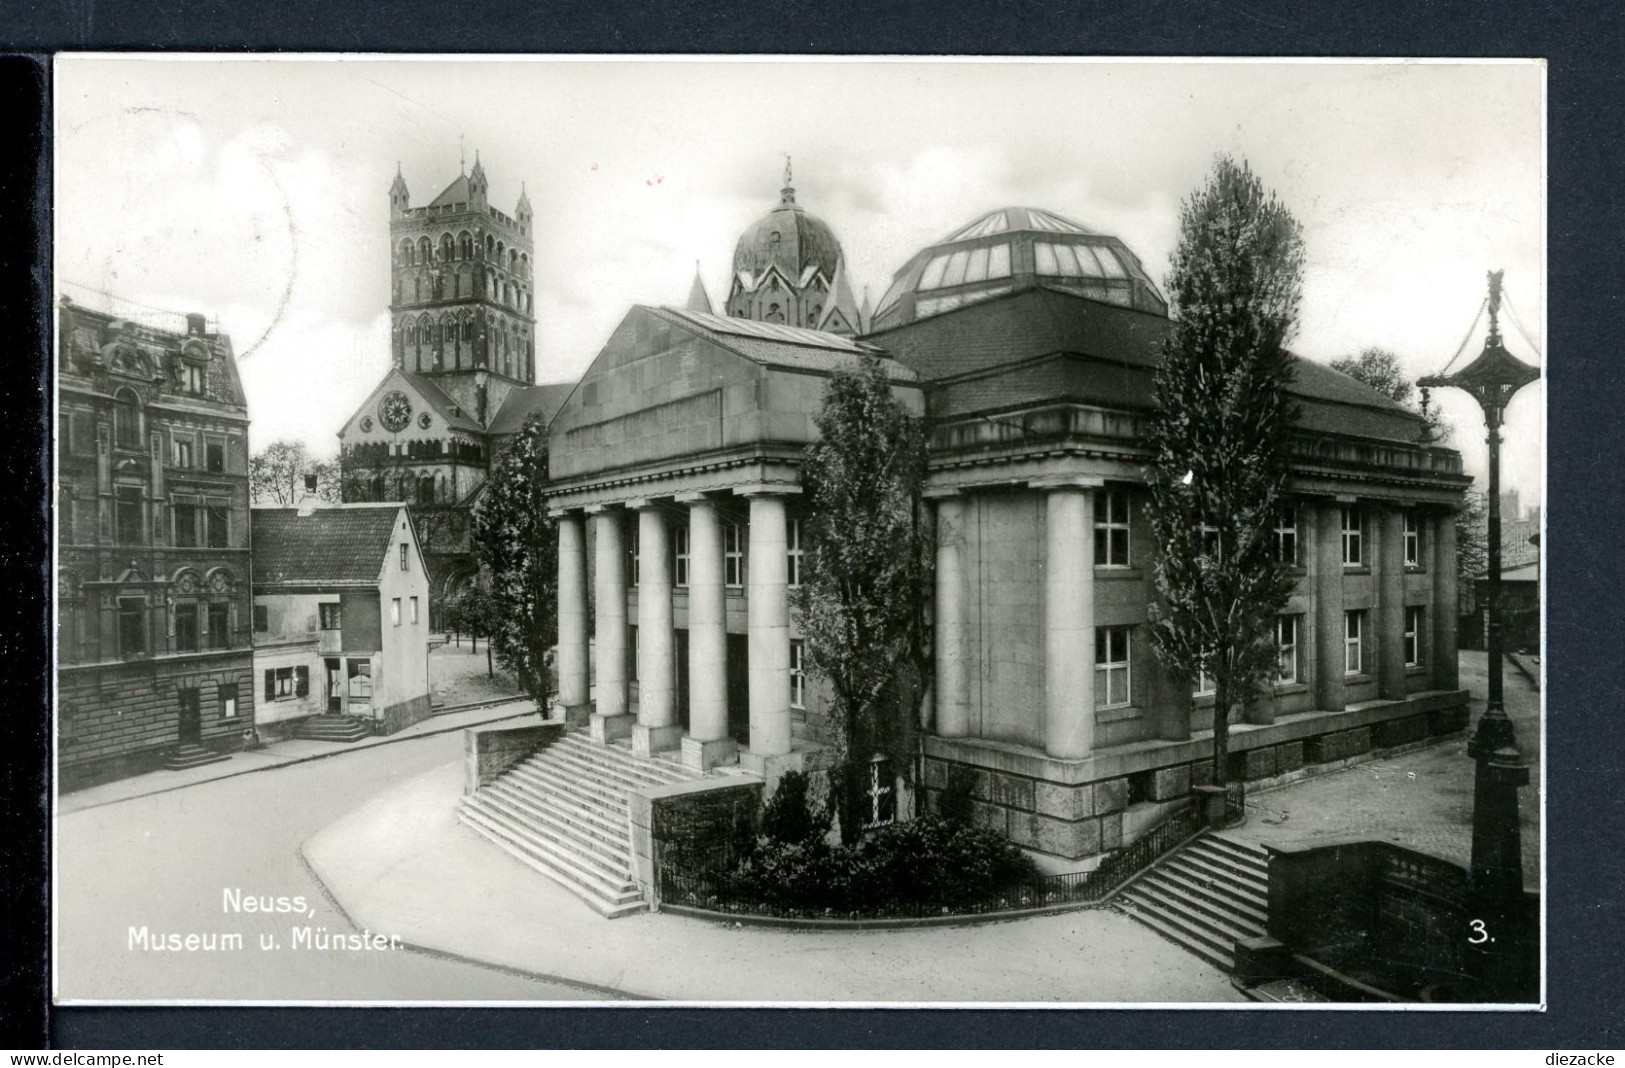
pixel 256 191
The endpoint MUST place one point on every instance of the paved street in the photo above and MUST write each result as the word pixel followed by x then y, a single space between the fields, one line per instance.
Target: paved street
pixel 1423 799
pixel 164 861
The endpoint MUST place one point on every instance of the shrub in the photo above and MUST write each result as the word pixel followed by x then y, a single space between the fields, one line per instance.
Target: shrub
pixel 954 803
pixel 790 817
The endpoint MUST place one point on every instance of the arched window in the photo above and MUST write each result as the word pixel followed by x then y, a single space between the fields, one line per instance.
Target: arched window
pixel 411 334
pixel 425 251
pixel 465 246
pixel 502 250
pixel 468 329
pixel 417 287
pixel 513 261
pixel 426 328
pixel 465 281
pixel 490 246
pixel 774 315
pixel 524 265
pixel 446 247
pixel 127 419
pixel 405 252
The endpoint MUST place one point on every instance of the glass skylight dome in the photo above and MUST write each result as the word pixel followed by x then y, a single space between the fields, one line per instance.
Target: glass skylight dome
pixel 1010 249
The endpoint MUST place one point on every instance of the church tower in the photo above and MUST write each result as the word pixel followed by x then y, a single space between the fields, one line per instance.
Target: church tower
pixel 462 291
pixel 789 269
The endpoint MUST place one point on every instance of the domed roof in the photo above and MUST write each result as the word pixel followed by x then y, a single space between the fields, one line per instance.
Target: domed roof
pixel 789 238
pixel 1014 248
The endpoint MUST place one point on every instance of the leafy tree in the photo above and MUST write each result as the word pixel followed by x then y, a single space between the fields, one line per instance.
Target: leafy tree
pixel 1219 436
pixel 517 546
pixel 281 472
pixel 1472 543
pixel 861 601
pixel 1380 369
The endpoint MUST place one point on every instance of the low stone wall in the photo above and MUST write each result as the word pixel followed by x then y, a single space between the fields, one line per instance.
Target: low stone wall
pixel 1075 808
pixel 709 814
pixel 490 750
pixel 398 717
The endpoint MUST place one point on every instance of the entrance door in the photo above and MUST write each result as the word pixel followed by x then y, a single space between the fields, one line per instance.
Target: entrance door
pixel 681 674
pixel 335 685
pixel 739 688
pixel 191 725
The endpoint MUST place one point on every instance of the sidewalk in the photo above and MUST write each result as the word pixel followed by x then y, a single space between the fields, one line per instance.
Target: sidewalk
pixel 403 865
pixel 280 754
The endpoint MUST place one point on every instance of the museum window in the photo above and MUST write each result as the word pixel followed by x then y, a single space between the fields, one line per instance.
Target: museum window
pixel 186 636
pixel 330 615
pixel 217 521
pixel 1414 618
pixel 1111 528
pixel 215 455
pixel 1111 667
pixel 793 552
pixel 882 793
pixel 262 619
pixel 183 452
pixel 798 677
pixel 128 515
pixel 1353 651
pixel 228 700
pixel 733 556
pixel 632 538
pixel 126 419
pixel 1413 540
pixel 679 556
pixel 1352 548
pixel 394 611
pixel 1286 649
pixel 219 626
pixel 132 630
pixel 1286 536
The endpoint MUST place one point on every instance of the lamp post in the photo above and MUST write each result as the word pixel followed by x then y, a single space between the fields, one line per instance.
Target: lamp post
pixel 1497 927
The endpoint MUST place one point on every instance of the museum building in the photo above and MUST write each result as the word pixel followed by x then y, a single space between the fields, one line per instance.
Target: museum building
pixel 1028 341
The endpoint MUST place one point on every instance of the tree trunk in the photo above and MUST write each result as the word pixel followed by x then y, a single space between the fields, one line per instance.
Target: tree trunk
pixel 488 672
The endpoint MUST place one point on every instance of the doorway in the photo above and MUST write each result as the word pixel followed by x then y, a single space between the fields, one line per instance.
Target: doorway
pixel 682 679
pixel 191 718
pixel 335 686
pixel 739 688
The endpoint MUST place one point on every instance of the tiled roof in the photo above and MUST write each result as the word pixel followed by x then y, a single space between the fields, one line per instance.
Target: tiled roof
pixel 523 400
pixel 783 346
pixel 341 545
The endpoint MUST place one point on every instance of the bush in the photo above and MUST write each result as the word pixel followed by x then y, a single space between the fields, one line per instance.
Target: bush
pixel 789 817
pixel 954 803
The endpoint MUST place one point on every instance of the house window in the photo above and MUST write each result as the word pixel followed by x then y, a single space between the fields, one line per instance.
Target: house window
pixel 679 550
pixel 126 420
pixel 882 793
pixel 1413 540
pixel 798 677
pixel 1351 536
pixel 1111 667
pixel 215 455
pixel 414 607
pixel 1353 629
pixel 793 552
pixel 194 379
pixel 1286 537
pixel 331 615
pixel 262 619
pixel 360 681
pixel 1286 648
pixel 228 700
pixel 1111 529
pixel 183 452
pixel 395 611
pixel 632 552
pixel 185 524
pixel 733 556
pixel 186 628
pixel 132 631
pixel 130 527
pixel 405 562
pixel 216 518
pixel 219 626
pixel 285 682
pixel 1414 618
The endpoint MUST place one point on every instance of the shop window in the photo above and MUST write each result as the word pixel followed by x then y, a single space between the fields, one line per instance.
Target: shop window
pixel 1353 549
pixel 1415 618
pixel 219 626
pixel 186 628
pixel 330 615
pixel 1111 667
pixel 1111 529
pixel 1353 642
pixel 359 680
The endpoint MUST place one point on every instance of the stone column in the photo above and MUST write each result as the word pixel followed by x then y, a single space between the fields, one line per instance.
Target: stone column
pixel 1389 618
pixel 610 718
pixel 657 727
pixel 572 656
pixel 768 601
pixel 952 695
pixel 1069 620
pixel 1445 607
pixel 1329 634
pixel 707 743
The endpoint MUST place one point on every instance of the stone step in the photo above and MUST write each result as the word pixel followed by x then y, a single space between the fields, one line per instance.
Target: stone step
pixel 658 771
pixel 600 771
pixel 1154 918
pixel 1234 904
pixel 1246 851
pixel 538 807
pixel 1225 927
pixel 552 778
pixel 609 904
pixel 582 871
pixel 1254 864
pixel 189 756
pixel 1206 866
pixel 328 728
pixel 609 818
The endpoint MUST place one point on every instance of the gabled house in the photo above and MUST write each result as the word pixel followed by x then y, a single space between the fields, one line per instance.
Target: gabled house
pixel 341 621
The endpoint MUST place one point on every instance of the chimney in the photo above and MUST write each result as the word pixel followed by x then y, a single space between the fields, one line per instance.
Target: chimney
pixel 308 506
pixel 195 324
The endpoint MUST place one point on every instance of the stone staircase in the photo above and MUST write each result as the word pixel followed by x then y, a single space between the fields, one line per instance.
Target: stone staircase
pixel 333 728
pixel 188 755
pixel 1204 896
pixel 563 811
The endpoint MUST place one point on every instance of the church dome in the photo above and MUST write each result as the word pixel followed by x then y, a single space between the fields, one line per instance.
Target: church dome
pixel 1015 248
pixel 789 238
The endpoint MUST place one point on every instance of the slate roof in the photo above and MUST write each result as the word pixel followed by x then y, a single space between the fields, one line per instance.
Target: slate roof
pixel 455 193
pixel 441 402
pixel 336 545
pixel 521 401
pixel 790 347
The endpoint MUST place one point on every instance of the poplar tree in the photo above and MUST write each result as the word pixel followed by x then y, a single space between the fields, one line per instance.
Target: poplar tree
pixel 1219 435
pixel 861 599
pixel 517 547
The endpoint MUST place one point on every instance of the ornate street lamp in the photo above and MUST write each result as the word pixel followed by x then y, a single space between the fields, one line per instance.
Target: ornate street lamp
pixel 1498 928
